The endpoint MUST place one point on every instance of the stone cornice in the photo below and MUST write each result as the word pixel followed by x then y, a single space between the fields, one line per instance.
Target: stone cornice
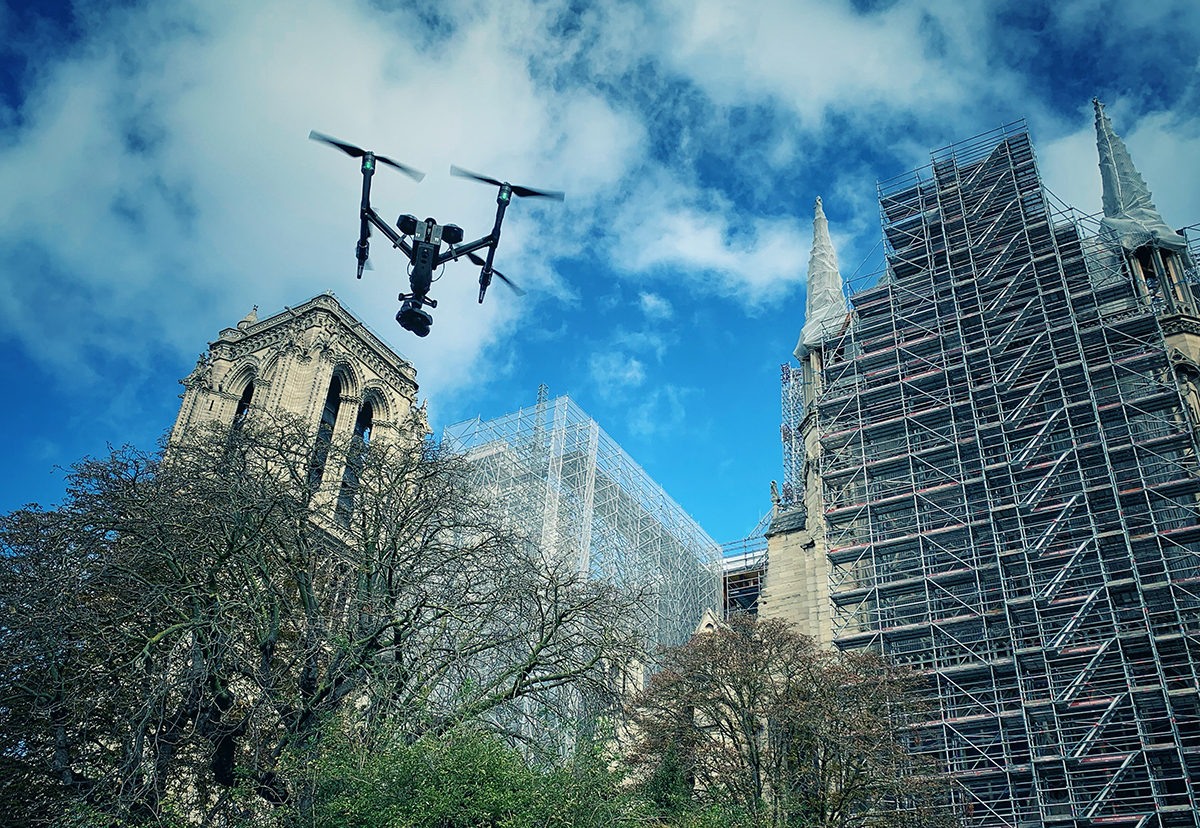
pixel 348 320
pixel 1180 323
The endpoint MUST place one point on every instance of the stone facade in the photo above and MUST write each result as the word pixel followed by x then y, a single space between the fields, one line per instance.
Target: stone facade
pixel 796 586
pixel 288 363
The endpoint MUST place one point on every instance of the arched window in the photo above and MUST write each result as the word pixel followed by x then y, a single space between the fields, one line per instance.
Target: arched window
pixel 329 415
pixel 362 426
pixel 355 460
pixel 243 406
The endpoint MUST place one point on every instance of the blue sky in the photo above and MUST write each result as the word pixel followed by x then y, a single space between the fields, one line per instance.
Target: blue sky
pixel 156 182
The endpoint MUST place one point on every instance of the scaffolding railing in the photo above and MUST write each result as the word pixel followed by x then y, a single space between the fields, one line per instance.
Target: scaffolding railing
pixel 744 565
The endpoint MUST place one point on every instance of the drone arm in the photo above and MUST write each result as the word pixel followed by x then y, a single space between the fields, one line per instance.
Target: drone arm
pixel 457 251
pixel 363 249
pixel 369 215
pixel 485 274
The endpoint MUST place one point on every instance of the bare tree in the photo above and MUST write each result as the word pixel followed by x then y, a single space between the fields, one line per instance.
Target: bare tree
pixel 754 715
pixel 180 631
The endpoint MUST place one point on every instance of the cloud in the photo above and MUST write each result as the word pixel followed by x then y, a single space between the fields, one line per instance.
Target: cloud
pixel 671 230
pixel 819 57
pixel 615 373
pixel 660 411
pixel 654 306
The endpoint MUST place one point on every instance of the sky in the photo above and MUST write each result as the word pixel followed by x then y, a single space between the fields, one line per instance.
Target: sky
pixel 156 182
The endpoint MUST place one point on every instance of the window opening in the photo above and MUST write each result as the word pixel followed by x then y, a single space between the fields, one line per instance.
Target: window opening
pixel 243 405
pixel 355 461
pixel 329 414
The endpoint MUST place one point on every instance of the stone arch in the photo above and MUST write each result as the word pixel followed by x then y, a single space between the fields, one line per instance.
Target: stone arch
pixel 242 384
pixel 270 367
pixel 352 382
pixel 381 401
pixel 235 381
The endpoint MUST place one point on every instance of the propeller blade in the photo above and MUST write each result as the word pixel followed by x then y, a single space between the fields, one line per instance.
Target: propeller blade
pixel 461 173
pixel 516 190
pixel 359 152
pixel 498 274
pixel 509 282
pixel 349 149
pixel 416 175
pixel 526 191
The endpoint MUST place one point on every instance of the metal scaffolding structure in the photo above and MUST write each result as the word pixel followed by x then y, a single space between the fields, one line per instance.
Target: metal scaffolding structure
pixel 1012 497
pixel 744 565
pixel 563 481
pixel 794 392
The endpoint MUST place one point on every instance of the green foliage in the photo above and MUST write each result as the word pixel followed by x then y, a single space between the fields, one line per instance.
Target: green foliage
pixel 669 787
pixel 464 779
pixel 753 725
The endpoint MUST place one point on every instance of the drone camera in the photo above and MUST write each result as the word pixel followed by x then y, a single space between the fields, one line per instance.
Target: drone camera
pixel 412 318
pixel 407 225
pixel 452 234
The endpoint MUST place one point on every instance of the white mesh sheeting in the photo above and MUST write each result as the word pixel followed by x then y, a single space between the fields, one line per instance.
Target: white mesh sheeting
pixel 1128 211
pixel 826 306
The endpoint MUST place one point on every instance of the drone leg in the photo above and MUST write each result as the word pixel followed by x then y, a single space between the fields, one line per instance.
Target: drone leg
pixel 364 247
pixel 485 275
pixel 363 250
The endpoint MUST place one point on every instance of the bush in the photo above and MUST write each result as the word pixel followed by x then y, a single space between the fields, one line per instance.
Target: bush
pixel 463 780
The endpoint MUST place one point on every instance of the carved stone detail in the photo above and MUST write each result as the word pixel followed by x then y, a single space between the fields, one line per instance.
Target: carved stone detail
pixel 293 354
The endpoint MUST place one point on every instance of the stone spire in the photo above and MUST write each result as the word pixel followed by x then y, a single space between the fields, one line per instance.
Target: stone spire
pixel 1128 210
pixel 826 306
pixel 249 319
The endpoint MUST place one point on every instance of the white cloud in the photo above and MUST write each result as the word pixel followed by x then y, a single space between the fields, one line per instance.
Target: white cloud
pixel 674 230
pixel 614 373
pixel 655 306
pixel 815 56
pixel 659 411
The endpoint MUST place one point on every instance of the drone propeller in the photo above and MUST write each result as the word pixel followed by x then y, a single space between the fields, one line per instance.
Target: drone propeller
pixel 517 191
pixel 359 152
pixel 497 274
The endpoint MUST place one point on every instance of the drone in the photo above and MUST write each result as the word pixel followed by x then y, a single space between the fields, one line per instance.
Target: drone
pixel 425 252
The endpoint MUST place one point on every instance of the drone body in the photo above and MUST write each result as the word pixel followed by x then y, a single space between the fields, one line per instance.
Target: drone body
pixel 425 252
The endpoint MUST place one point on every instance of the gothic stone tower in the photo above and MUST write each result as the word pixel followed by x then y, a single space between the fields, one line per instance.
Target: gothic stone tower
pixel 316 361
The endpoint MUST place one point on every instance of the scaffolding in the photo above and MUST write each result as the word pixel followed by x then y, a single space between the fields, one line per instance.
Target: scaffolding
pixel 744 565
pixel 564 482
pixel 1010 481
pixel 793 395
